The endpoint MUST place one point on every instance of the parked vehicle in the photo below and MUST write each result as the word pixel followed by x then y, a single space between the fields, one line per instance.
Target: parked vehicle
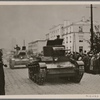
pixel 54 63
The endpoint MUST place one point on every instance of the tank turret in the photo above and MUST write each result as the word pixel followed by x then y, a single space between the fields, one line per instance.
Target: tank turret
pixel 54 48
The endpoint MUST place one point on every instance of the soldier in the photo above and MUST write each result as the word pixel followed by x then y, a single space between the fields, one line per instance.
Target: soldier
pixel 2 77
pixel 17 48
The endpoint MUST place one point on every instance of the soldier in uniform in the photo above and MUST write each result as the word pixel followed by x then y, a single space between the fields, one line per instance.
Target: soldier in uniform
pixel 2 77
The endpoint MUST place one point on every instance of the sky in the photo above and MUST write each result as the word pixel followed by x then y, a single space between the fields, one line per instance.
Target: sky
pixel 32 22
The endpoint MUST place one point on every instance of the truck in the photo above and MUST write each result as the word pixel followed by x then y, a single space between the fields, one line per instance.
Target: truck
pixel 55 63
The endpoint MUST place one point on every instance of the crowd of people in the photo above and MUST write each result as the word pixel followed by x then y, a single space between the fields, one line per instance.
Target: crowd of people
pixel 91 60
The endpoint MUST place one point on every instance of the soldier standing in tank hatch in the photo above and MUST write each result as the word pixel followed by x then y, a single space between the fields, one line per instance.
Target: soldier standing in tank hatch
pixel 2 77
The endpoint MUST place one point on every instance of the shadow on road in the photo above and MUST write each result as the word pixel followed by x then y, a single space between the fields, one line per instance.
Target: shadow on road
pixel 58 80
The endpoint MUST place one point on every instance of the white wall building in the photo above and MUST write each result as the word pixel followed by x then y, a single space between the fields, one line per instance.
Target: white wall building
pixel 76 35
pixel 37 46
pixel 54 31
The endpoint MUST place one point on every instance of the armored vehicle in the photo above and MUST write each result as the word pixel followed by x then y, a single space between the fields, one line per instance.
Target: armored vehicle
pixel 19 58
pixel 54 63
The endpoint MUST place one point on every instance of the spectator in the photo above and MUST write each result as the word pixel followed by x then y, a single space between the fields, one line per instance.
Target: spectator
pixel 91 63
pixel 2 77
pixel 98 62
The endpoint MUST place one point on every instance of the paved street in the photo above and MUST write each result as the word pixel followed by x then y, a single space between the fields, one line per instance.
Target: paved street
pixel 18 83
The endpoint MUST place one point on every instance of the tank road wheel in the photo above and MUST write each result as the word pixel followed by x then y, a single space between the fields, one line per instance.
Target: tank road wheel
pixel 40 80
pixel 40 77
pixel 34 78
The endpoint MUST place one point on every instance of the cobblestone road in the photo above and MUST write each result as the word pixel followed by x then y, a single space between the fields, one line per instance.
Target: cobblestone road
pixel 18 83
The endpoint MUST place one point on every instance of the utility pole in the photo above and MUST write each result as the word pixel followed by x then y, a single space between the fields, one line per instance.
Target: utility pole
pixel 91 30
pixel 23 42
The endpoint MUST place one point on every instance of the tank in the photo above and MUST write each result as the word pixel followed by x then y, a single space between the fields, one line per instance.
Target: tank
pixel 54 63
pixel 18 59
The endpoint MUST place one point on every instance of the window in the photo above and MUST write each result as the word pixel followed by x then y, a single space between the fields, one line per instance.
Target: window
pixel 80 29
pixel 70 39
pixel 66 39
pixel 80 38
pixel 80 48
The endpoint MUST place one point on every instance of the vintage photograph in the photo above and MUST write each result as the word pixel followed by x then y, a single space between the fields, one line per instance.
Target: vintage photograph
pixel 49 49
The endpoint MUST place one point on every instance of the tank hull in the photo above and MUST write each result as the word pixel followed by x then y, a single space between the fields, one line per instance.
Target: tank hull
pixel 42 71
pixel 19 60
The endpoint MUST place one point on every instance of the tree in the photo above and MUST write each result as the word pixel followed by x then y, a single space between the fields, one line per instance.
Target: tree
pixel 97 43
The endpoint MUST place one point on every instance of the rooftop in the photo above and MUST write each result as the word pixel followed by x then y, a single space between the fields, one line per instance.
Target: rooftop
pixel 85 22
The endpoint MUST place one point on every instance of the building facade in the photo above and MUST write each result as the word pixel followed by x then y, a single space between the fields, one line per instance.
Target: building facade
pixel 54 31
pixel 37 46
pixel 76 35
